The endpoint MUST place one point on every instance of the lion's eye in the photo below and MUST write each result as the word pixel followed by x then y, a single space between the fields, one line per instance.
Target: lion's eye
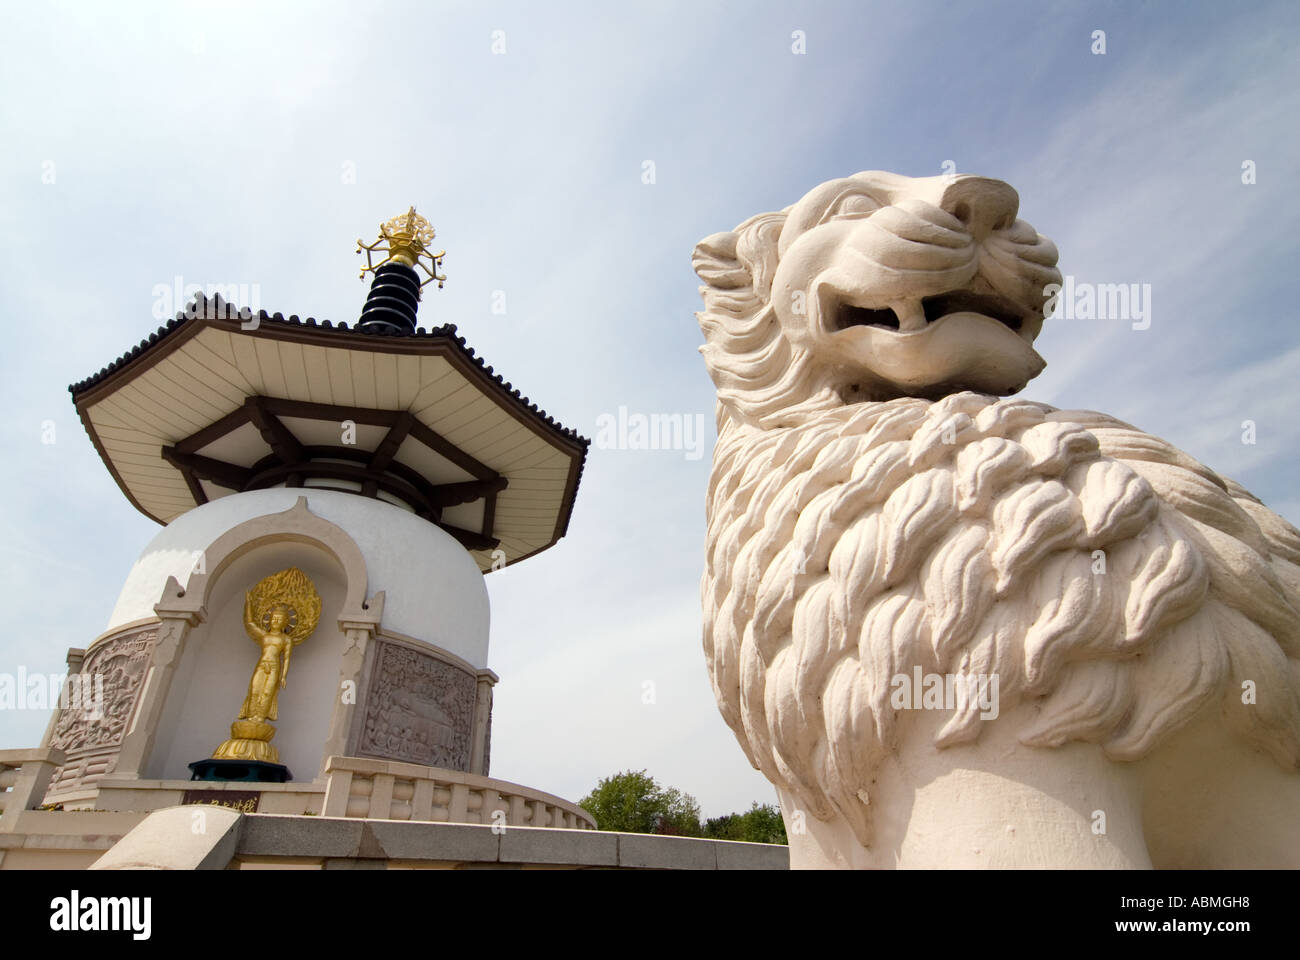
pixel 856 205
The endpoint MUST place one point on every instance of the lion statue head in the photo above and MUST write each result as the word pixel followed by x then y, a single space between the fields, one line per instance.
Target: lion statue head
pixel 888 527
pixel 873 287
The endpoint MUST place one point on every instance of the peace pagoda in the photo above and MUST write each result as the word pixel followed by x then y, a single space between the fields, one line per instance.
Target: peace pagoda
pixel 296 670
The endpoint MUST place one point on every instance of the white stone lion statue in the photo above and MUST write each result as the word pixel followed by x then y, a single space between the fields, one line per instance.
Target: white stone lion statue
pixel 958 630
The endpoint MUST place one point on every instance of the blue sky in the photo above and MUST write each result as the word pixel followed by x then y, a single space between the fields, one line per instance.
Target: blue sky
pixel 213 141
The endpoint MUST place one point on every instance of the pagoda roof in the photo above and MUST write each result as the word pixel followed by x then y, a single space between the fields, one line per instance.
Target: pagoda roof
pixel 209 405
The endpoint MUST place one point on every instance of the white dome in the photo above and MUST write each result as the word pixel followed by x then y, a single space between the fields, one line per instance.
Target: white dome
pixel 434 590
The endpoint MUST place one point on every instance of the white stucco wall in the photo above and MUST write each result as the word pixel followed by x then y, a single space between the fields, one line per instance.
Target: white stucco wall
pixel 433 589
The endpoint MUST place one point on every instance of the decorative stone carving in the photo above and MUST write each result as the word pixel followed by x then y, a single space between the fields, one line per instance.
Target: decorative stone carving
pixel 91 740
pixel 957 630
pixel 419 708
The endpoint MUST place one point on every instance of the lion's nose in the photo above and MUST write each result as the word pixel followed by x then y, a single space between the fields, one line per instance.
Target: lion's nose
pixel 982 204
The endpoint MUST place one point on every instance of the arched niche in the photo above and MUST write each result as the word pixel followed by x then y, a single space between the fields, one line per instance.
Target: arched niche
pixel 297 524
pixel 217 659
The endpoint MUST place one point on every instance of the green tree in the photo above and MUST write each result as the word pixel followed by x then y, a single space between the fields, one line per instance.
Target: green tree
pixel 632 802
pixel 759 824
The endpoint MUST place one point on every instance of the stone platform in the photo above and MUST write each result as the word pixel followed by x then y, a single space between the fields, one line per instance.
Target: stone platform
pixel 234 841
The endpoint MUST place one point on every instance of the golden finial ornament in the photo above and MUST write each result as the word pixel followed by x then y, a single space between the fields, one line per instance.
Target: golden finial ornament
pixel 280 612
pixel 405 239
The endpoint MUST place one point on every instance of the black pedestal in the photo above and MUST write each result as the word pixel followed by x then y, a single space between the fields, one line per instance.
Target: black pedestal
pixel 252 771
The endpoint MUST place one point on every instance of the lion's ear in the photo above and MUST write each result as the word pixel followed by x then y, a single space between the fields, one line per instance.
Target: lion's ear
pixel 717 264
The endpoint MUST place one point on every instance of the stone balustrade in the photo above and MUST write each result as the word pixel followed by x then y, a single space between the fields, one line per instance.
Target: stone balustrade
pixel 389 790
pixel 24 777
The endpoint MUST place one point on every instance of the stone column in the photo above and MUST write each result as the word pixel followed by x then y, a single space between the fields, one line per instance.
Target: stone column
pixel 178 614
pixel 142 730
pixel 482 712
pixel 359 627
pixel 76 655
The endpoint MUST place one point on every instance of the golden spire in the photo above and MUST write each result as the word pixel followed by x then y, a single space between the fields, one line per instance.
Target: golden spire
pixel 407 237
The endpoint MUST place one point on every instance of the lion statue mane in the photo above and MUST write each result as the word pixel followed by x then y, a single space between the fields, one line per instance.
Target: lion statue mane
pixel 879 505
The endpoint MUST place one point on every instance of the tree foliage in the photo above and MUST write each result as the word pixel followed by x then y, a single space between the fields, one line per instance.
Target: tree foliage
pixel 759 824
pixel 632 802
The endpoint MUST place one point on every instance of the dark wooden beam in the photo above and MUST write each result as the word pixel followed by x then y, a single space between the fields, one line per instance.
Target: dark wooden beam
pixel 369 479
pixel 328 411
pixel 470 540
pixel 264 413
pixel 214 431
pixel 277 436
pixel 408 493
pixel 292 462
pixel 205 468
pixel 387 448
pixel 355 454
pixel 445 448
pixel 451 494
pixel 196 488
pixel 489 514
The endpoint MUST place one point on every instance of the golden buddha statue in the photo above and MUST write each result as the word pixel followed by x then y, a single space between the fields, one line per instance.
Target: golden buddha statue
pixel 272 671
pixel 280 612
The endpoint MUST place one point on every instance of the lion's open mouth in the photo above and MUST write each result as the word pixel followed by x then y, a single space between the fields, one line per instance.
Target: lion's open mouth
pixel 940 305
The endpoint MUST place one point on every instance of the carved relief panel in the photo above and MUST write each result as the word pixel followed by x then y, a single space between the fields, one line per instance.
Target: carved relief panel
pixel 90 727
pixel 418 709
